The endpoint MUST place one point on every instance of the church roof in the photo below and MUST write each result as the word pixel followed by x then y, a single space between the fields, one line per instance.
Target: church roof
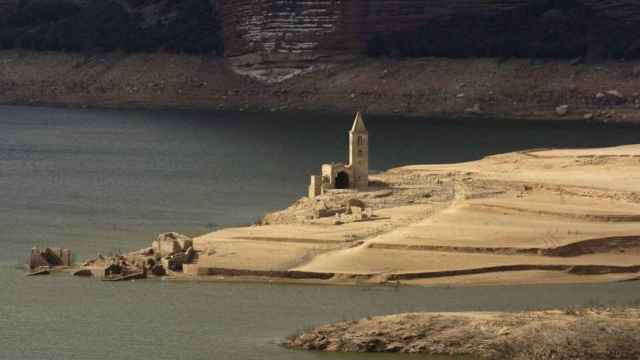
pixel 358 124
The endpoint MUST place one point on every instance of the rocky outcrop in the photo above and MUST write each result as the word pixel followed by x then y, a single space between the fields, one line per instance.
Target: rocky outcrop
pixel 599 334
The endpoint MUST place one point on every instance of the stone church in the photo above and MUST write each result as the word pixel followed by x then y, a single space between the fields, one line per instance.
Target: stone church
pixel 355 174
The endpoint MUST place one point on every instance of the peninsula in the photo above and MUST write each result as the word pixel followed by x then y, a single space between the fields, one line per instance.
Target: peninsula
pixel 536 216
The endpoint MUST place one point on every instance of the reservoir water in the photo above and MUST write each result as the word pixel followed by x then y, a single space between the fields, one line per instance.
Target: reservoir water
pixel 107 180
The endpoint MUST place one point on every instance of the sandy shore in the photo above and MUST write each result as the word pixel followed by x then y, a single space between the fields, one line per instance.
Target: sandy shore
pixel 426 87
pixel 570 334
pixel 544 216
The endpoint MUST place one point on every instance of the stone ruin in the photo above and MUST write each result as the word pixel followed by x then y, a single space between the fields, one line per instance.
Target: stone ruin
pixel 350 211
pixel 356 211
pixel 174 250
pixel 169 252
pixel 49 258
pixel 355 174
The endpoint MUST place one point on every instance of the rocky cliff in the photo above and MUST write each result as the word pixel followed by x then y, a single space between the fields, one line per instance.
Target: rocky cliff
pixel 294 35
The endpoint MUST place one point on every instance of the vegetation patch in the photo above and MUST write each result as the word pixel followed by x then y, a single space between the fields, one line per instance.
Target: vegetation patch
pixel 187 26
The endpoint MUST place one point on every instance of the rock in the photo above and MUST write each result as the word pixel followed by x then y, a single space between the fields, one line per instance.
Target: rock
pixel 166 263
pixel 175 261
pixel 615 93
pixel 368 213
pixel 83 273
pixel 158 270
pixel 588 116
pixel 178 260
pixel 355 202
pixel 190 254
pixel 170 243
pixel 146 251
pixel 89 262
pixel 636 71
pixel 577 61
pixel 113 269
pixel 562 110
pixel 321 205
pixel 357 213
pixel 39 271
pixel 474 110
pixel 610 97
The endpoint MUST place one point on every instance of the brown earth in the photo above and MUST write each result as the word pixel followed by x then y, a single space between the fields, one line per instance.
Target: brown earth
pixel 543 216
pixel 474 88
pixel 606 334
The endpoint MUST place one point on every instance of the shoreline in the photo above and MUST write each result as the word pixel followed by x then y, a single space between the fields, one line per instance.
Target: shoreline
pixel 443 117
pixel 470 89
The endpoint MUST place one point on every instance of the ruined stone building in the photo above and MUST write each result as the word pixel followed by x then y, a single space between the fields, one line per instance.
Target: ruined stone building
pixel 355 174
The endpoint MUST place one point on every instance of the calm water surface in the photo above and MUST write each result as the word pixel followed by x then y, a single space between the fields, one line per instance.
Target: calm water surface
pixel 103 180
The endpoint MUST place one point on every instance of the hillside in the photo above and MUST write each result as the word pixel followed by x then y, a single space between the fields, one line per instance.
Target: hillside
pixel 256 33
pixel 430 87
pixel 187 26
pixel 510 58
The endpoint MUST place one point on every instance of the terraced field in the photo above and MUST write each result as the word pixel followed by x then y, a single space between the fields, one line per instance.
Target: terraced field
pixel 536 216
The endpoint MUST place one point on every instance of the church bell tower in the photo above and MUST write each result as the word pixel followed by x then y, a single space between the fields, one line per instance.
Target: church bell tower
pixel 359 153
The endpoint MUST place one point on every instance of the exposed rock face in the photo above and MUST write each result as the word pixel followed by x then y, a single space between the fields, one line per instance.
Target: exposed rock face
pixel 268 34
pixel 274 40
